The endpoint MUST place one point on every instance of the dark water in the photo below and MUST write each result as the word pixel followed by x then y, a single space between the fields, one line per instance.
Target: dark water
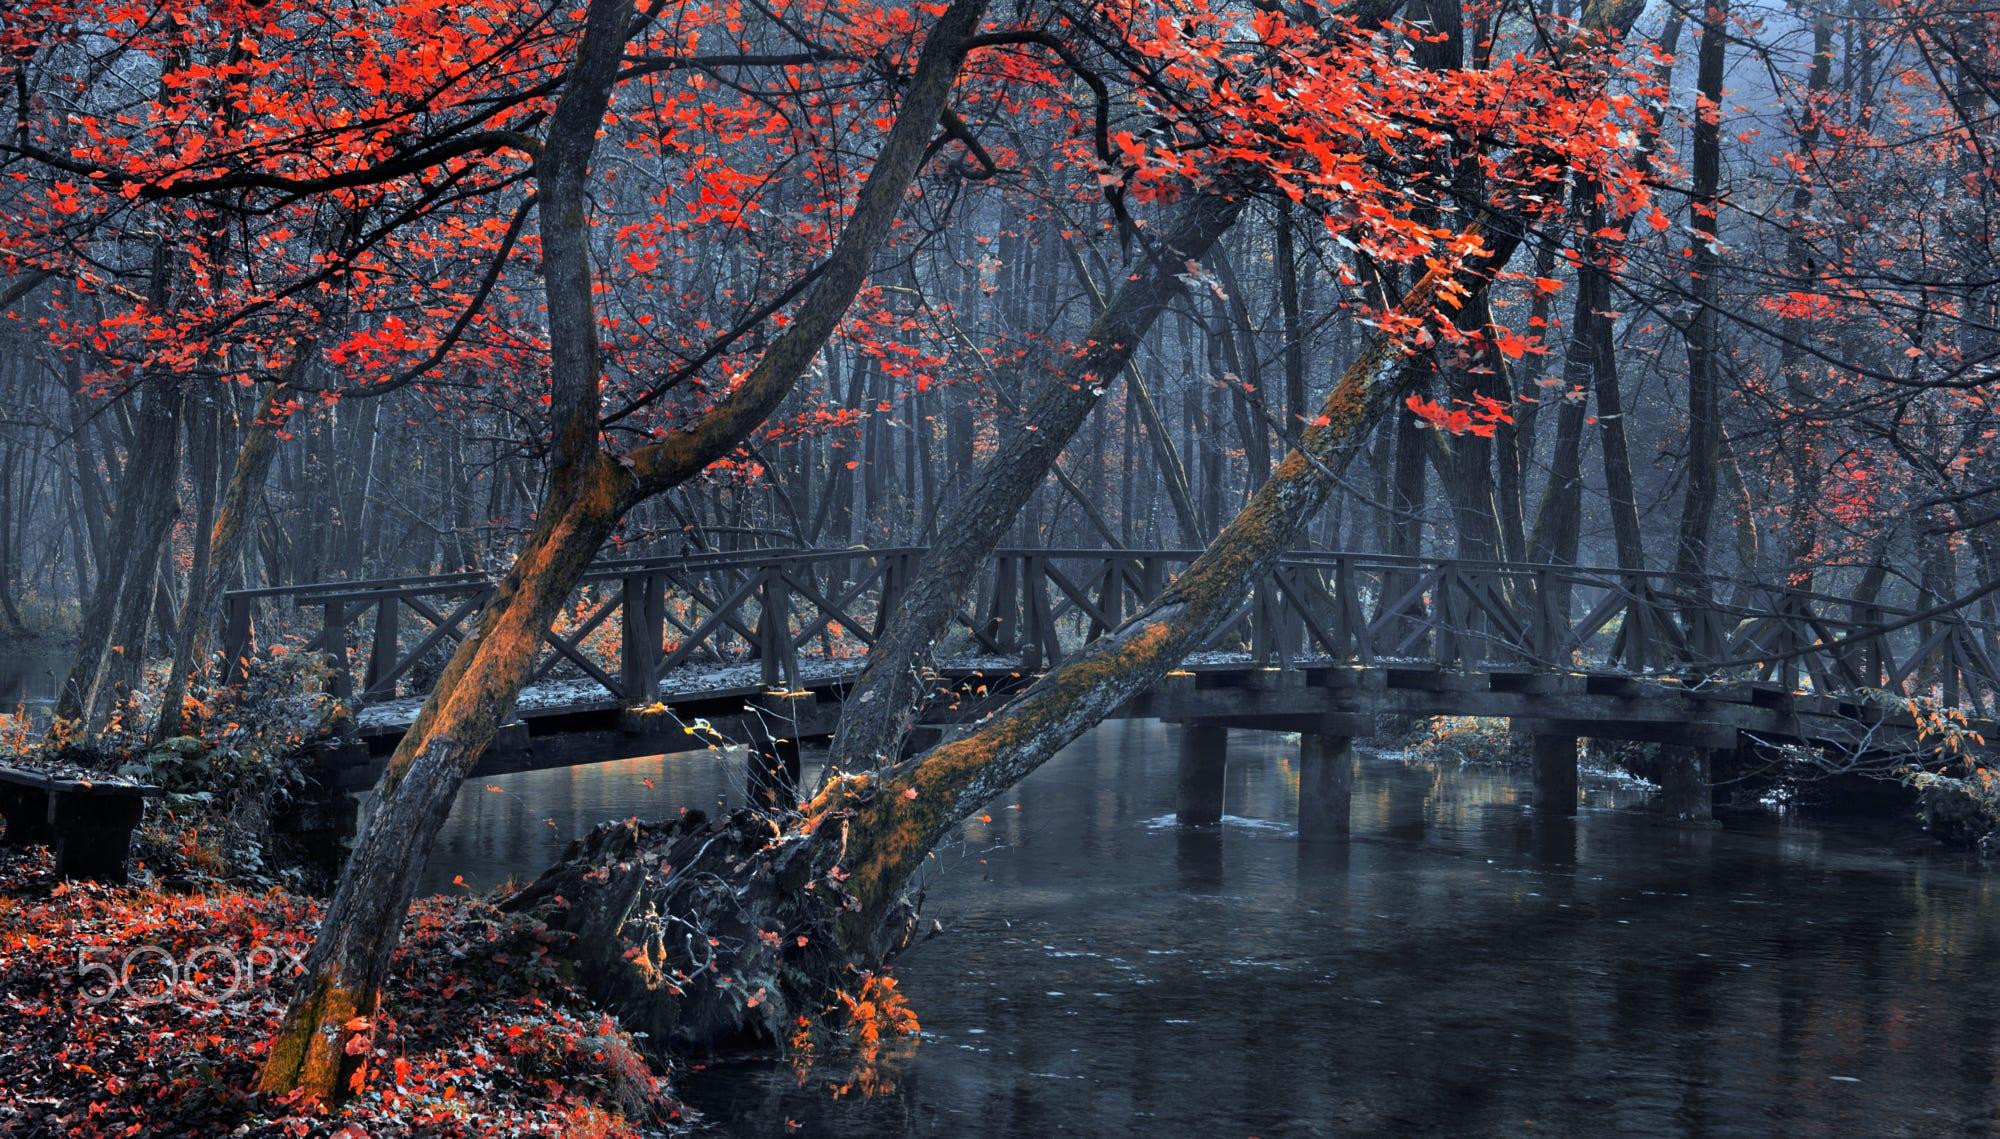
pixel 1459 968
pixel 29 675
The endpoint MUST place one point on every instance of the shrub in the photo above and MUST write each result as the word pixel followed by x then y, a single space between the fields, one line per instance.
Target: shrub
pixel 1467 739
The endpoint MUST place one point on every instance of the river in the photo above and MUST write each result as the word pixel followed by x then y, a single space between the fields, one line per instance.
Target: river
pixel 30 673
pixel 1460 967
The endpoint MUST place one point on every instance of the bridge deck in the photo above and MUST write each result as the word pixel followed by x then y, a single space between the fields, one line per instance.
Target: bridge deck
pixel 559 726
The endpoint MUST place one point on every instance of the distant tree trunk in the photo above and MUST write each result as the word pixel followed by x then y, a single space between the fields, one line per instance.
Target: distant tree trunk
pixel 1172 471
pixel 1237 335
pixel 1207 398
pixel 1588 356
pixel 1595 328
pixel 1704 325
pixel 111 639
pixel 9 536
pixel 1409 493
pixel 1467 472
pixel 90 488
pixel 1802 450
pixel 1292 324
pixel 225 547
pixel 1743 512
pixel 1519 438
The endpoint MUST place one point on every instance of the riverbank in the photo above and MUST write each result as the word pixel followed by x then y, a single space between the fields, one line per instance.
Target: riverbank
pixel 143 1011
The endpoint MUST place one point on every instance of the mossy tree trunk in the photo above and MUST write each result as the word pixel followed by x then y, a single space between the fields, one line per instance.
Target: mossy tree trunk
pixel 710 933
pixel 321 1044
pixel 716 933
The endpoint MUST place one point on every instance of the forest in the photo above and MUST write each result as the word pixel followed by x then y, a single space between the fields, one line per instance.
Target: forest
pixel 608 568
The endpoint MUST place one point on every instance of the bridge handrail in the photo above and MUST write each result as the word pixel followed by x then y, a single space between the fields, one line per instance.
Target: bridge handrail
pixel 1506 568
pixel 374 588
pixel 363 589
pixel 767 604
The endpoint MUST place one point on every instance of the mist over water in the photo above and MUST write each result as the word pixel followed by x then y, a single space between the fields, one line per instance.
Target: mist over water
pixel 1460 967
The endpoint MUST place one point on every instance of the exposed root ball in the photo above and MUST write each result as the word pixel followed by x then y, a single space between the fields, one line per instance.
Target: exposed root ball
pixel 709 934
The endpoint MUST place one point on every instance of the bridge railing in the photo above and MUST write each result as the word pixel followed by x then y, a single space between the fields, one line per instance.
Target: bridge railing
pixel 1462 613
pixel 630 624
pixel 753 617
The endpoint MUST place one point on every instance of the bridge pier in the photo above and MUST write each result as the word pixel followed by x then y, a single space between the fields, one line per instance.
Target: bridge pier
pixel 1326 786
pixel 1555 774
pixel 1204 768
pixel 921 739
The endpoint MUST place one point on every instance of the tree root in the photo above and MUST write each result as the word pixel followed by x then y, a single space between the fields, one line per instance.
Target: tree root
pixel 710 934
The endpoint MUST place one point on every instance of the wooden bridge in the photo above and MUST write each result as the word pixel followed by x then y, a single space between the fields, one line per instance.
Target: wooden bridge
pixel 664 655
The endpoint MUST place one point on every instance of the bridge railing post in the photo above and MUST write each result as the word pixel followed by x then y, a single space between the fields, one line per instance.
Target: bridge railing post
pixel 1044 640
pixel 1110 596
pixel 235 636
pixel 897 569
pixel 1798 637
pixel 1152 574
pixel 382 650
pixel 1953 660
pixel 1263 642
pixel 1447 641
pixel 778 654
pixel 642 615
pixel 1301 610
pixel 1867 654
pixel 1638 632
pixel 1545 641
pixel 1346 623
pixel 1003 609
pixel 339 681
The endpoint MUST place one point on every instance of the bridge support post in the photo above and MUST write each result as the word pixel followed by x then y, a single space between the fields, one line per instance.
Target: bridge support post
pixel 323 819
pixel 1204 767
pixel 25 810
pixel 94 835
pixel 1555 774
pixel 921 739
pixel 1326 786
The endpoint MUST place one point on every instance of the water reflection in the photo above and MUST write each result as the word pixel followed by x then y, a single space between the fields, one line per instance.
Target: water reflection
pixel 1461 966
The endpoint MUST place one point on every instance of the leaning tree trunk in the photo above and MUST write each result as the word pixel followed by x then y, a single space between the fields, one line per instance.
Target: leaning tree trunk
pixel 474 695
pixel 883 704
pixel 316 1049
pixel 225 546
pixel 729 932
pixel 717 933
pixel 1173 473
